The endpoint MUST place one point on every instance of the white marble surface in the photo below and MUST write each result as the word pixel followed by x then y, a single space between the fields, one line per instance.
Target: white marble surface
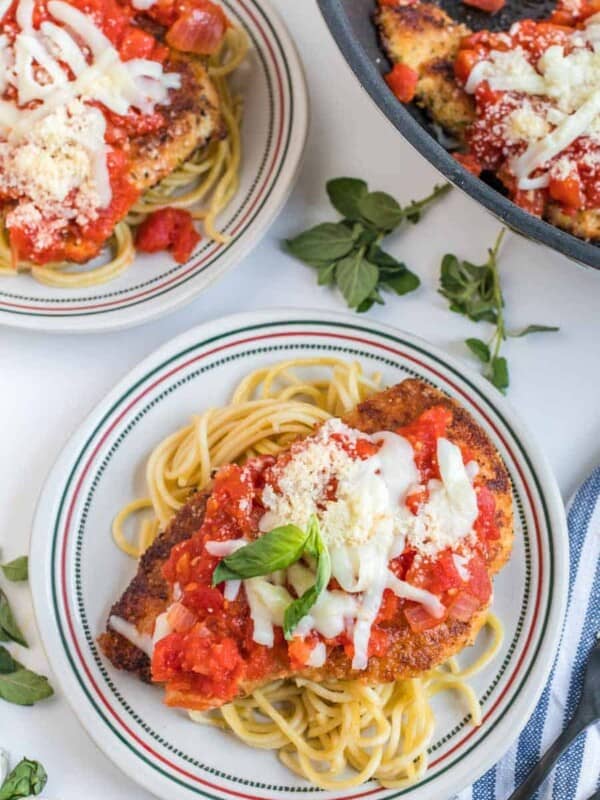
pixel 51 382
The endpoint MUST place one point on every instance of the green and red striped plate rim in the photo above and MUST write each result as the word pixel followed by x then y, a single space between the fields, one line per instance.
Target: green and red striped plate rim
pixel 273 133
pixel 77 571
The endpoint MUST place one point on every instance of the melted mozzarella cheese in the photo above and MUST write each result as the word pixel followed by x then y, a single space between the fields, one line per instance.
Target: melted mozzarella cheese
pixel 34 65
pixel 568 81
pixel 365 525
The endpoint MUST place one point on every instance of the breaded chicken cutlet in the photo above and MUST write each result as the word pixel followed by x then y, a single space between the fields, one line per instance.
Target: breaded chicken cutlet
pixel 407 653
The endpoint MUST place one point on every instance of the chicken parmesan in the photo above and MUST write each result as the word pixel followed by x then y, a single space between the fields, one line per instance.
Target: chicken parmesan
pixel 101 101
pixel 523 105
pixel 411 514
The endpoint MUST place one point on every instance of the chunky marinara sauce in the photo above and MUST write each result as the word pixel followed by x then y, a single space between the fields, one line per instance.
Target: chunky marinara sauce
pixel 211 650
pixel 117 23
pixel 574 173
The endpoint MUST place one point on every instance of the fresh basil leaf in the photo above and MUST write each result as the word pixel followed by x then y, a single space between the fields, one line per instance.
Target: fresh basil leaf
pixel 8 623
pixel 387 264
pixel 302 605
pixel 356 278
pixel 499 373
pixel 403 282
pixel 534 329
pixel 27 778
pixel 479 349
pixel 326 242
pixel 326 274
pixel 24 687
pixel 7 662
pixel 345 195
pixel 16 570
pixel 380 209
pixel 277 549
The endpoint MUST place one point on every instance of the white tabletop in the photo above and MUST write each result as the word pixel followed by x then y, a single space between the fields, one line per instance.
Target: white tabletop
pixel 51 382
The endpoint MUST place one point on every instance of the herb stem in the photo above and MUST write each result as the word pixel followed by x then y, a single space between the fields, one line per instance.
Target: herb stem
pixel 438 191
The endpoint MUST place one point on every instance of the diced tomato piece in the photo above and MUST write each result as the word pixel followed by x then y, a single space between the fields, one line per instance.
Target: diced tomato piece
pixel 180 618
pixel 403 80
pixel 401 565
pixel 533 200
pixel 419 618
pixel 210 657
pixel 464 63
pixel 491 6
pixel 299 651
pixel 136 44
pixel 479 583
pixel 567 190
pixel 486 96
pixel 203 598
pixel 168 229
pixel 469 162
pixel 379 643
pixel 388 611
pixel 167 657
pixel 200 29
pixel 415 499
pixel 463 606
pixel 485 524
pixel 437 576
pixel 423 434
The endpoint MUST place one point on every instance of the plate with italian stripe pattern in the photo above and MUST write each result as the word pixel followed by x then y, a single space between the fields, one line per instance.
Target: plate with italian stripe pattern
pixel 77 570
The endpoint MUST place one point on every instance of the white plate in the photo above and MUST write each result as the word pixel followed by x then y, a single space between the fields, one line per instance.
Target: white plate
pixel 273 135
pixel 77 571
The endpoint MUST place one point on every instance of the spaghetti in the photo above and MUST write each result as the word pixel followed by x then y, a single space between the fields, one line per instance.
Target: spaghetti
pixel 336 734
pixel 204 185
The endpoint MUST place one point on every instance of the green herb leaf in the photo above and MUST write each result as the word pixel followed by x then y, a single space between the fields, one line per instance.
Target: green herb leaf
pixel 471 289
pixel 356 278
pixel 27 778
pixel 315 546
pixel 534 329
pixel 345 195
pixel 24 687
pixel 387 264
pixel 326 242
pixel 278 549
pixel 7 662
pixel 499 374
pixel 374 298
pixel 381 210
pixel 414 210
pixel 16 570
pixel 479 349
pixel 403 282
pixel 8 624
pixel 326 275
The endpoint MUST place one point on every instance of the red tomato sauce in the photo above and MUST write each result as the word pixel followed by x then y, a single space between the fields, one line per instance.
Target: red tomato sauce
pixel 79 241
pixel 211 649
pixel 489 148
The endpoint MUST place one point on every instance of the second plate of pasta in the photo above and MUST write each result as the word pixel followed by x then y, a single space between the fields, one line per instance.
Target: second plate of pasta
pixel 224 393
pixel 233 187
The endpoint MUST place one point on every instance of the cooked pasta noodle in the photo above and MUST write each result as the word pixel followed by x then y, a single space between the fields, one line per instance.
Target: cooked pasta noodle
pixel 204 185
pixel 337 734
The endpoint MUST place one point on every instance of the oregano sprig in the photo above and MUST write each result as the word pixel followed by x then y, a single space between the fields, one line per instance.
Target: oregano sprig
pixel 475 292
pixel 347 254
pixel 27 779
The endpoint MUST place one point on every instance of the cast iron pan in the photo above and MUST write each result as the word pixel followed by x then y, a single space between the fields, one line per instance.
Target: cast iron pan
pixel 351 24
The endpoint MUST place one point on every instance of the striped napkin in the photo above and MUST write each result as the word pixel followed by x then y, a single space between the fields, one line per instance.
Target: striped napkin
pixel 577 774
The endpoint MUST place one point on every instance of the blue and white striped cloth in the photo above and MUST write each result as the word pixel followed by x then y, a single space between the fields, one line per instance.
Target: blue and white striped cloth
pixel 577 774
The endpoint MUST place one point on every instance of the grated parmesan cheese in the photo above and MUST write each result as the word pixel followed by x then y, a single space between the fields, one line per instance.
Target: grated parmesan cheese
pixel 53 157
pixel 566 88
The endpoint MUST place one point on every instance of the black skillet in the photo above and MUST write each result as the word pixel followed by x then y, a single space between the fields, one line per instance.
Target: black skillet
pixel 351 24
